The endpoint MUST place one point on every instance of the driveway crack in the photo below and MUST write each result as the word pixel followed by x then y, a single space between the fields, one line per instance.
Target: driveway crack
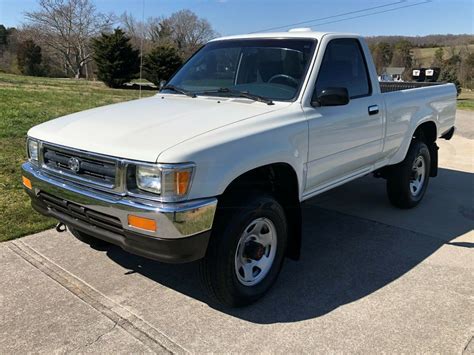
pixel 136 326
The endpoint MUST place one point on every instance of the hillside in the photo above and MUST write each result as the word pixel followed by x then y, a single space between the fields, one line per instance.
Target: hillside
pixel 424 56
pixel 429 41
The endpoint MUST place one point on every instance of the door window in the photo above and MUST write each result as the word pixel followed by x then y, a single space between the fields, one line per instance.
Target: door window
pixel 344 65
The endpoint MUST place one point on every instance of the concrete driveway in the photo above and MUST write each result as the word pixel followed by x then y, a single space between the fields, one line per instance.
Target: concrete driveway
pixel 371 278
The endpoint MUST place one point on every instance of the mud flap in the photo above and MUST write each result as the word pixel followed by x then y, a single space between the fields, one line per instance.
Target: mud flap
pixel 434 159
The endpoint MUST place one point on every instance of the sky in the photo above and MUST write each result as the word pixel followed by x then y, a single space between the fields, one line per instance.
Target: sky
pixel 409 17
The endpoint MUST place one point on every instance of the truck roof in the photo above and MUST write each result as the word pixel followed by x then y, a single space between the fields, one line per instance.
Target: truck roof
pixel 292 33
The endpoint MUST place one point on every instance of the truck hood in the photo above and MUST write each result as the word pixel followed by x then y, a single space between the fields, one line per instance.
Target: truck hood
pixel 142 129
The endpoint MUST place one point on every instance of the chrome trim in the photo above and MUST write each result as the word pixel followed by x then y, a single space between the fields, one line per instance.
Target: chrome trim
pixel 174 220
pixel 81 154
pixel 122 165
pixel 34 162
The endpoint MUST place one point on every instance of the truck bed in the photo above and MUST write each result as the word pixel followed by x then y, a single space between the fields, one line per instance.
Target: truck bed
pixel 389 86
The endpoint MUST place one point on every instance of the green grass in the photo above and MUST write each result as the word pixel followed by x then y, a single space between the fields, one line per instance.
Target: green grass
pixel 25 102
pixel 466 100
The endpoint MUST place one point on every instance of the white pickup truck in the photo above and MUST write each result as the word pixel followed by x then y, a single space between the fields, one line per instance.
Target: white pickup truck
pixel 216 165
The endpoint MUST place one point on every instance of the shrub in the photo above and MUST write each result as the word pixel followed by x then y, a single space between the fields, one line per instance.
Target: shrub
pixel 29 58
pixel 117 62
pixel 161 63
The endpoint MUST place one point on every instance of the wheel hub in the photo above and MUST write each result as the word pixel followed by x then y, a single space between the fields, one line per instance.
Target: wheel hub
pixel 417 175
pixel 253 250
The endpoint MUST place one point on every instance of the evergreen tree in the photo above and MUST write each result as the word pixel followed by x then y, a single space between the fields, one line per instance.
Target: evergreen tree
pixel 382 54
pixel 450 70
pixel 29 58
pixel 161 63
pixel 438 58
pixel 448 75
pixel 117 62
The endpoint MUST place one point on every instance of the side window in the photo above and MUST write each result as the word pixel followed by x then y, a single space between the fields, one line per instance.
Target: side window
pixel 344 65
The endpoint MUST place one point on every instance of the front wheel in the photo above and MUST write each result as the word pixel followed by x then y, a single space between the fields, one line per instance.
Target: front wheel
pixel 246 250
pixel 407 182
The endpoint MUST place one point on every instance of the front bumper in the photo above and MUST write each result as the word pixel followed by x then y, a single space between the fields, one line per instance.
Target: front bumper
pixel 183 229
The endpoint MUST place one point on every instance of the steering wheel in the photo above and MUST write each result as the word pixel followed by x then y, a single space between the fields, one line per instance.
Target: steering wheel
pixel 284 76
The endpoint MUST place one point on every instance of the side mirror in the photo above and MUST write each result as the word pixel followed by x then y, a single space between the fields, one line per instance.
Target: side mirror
pixel 162 84
pixel 332 97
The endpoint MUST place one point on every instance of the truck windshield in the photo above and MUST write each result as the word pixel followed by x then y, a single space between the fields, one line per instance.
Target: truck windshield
pixel 273 69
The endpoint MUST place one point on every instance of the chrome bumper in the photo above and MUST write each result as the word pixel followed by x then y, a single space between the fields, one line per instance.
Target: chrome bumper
pixel 174 220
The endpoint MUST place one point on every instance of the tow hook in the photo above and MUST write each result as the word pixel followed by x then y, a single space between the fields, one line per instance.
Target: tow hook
pixel 61 227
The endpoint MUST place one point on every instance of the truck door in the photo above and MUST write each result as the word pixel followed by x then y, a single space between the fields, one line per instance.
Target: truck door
pixel 346 140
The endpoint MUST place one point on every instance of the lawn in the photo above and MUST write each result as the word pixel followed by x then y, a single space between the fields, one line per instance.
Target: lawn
pixel 466 100
pixel 25 102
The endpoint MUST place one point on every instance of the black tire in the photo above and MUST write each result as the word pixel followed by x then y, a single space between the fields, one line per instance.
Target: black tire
pixel 218 267
pixel 88 239
pixel 400 176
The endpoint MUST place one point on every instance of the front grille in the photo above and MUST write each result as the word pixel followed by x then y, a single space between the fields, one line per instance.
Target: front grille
pixel 81 166
pixel 81 213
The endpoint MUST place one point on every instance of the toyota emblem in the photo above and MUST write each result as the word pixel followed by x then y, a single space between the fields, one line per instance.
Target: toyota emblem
pixel 74 164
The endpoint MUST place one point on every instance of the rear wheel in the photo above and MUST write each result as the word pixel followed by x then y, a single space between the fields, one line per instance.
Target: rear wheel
pixel 246 250
pixel 407 182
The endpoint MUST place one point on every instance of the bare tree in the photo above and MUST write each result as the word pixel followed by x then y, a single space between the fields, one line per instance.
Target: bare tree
pixel 67 27
pixel 189 32
pixel 183 30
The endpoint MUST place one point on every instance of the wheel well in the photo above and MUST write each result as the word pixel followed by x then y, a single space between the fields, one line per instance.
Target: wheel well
pixel 281 181
pixel 426 132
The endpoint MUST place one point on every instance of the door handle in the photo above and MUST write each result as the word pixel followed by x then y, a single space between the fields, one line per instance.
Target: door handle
pixel 373 110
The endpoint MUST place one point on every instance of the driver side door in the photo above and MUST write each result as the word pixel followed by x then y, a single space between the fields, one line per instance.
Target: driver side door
pixel 344 141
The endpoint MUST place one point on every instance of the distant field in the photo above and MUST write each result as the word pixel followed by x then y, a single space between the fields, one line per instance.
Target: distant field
pixel 25 102
pixel 466 100
pixel 424 56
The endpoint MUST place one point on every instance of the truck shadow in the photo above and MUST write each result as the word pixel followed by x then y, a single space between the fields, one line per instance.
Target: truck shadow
pixel 344 258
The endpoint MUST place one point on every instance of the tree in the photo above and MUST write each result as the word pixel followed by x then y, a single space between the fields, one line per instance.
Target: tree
pixel 448 75
pixel 467 71
pixel 382 54
pixel 67 27
pixel 117 61
pixel 3 36
pixel 161 33
pixel 161 63
pixel 402 57
pixel 189 32
pixel 402 54
pixel 29 58
pixel 438 58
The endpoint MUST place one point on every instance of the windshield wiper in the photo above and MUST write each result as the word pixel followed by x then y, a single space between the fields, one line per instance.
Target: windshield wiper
pixel 179 90
pixel 238 93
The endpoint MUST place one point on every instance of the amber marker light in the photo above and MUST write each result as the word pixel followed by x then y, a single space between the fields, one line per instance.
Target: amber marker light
pixel 142 223
pixel 182 182
pixel 27 182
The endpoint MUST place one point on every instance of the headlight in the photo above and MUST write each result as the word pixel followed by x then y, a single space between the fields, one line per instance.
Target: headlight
pixel 149 179
pixel 172 182
pixel 33 150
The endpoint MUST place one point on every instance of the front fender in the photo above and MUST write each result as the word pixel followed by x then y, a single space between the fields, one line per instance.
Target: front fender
pixel 224 154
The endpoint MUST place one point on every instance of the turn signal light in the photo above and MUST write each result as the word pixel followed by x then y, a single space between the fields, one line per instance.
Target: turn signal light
pixel 27 182
pixel 142 223
pixel 182 182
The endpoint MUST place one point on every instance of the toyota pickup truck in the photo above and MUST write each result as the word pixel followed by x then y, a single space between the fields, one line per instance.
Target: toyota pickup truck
pixel 215 166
